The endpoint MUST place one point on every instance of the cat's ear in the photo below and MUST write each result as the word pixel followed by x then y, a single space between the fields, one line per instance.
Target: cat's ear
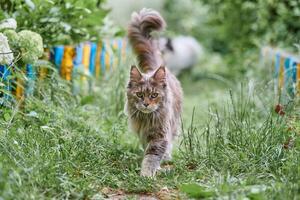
pixel 135 74
pixel 160 75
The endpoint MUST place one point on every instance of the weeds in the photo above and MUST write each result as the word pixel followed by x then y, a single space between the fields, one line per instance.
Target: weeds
pixel 243 141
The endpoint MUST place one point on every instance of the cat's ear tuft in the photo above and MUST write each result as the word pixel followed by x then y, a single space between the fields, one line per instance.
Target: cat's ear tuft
pixel 160 74
pixel 135 74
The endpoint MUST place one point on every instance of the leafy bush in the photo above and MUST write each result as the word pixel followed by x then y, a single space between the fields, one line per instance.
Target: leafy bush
pixel 26 43
pixel 31 45
pixel 242 24
pixel 57 21
pixel 186 17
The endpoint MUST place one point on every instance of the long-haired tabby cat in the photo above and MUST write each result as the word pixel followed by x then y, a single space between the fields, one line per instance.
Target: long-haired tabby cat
pixel 154 95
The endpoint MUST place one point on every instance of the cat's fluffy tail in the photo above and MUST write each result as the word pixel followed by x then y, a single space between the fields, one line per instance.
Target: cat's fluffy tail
pixel 139 34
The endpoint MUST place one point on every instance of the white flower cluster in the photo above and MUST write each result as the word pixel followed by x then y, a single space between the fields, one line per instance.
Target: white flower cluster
pixel 8 24
pixel 28 43
pixel 6 55
pixel 31 45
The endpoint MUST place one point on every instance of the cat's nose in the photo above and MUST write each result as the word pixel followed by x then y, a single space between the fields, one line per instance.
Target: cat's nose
pixel 146 104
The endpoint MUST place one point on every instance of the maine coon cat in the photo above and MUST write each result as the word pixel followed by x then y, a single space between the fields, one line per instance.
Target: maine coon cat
pixel 154 95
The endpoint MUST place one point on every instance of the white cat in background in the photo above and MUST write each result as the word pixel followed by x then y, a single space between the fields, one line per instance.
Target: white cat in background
pixel 180 53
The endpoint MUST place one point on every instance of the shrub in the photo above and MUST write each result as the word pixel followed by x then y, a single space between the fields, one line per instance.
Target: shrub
pixel 57 21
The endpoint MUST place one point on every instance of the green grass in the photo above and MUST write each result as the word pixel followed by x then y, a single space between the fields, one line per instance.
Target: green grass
pixel 65 147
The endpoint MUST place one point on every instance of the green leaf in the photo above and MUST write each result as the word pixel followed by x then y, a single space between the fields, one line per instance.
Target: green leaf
pixel 6 116
pixel 256 196
pixel 196 191
pixel 87 100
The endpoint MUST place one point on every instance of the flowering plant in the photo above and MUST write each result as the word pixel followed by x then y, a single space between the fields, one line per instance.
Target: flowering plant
pixel 26 43
pixel 9 23
pixel 31 46
pixel 6 55
pixel 58 22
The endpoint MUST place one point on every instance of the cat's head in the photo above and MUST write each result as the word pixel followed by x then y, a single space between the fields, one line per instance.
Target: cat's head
pixel 146 92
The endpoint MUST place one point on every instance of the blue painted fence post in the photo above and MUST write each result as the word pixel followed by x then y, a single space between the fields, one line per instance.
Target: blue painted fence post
pixel 31 76
pixel 57 56
pixel 5 72
pixel 93 58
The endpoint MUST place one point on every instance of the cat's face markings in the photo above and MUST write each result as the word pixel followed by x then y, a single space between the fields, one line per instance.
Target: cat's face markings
pixel 146 92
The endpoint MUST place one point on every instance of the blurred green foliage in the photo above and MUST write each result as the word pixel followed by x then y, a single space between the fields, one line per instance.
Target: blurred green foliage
pixel 234 26
pixel 243 24
pixel 186 17
pixel 58 21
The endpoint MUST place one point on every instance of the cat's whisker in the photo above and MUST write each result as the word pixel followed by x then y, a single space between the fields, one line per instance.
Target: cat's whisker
pixel 133 113
pixel 153 118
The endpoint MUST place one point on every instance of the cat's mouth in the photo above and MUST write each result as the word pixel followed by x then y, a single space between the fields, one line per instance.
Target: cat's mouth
pixel 146 111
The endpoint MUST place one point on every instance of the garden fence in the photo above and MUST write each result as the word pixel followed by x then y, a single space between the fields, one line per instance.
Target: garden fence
pixel 87 59
pixel 286 70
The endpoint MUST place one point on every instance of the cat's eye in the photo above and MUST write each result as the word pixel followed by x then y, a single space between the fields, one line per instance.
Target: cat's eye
pixel 154 95
pixel 140 94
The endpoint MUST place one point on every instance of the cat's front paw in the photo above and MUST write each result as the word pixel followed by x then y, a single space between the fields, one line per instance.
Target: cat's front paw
pixel 148 172
pixel 167 157
pixel 150 165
